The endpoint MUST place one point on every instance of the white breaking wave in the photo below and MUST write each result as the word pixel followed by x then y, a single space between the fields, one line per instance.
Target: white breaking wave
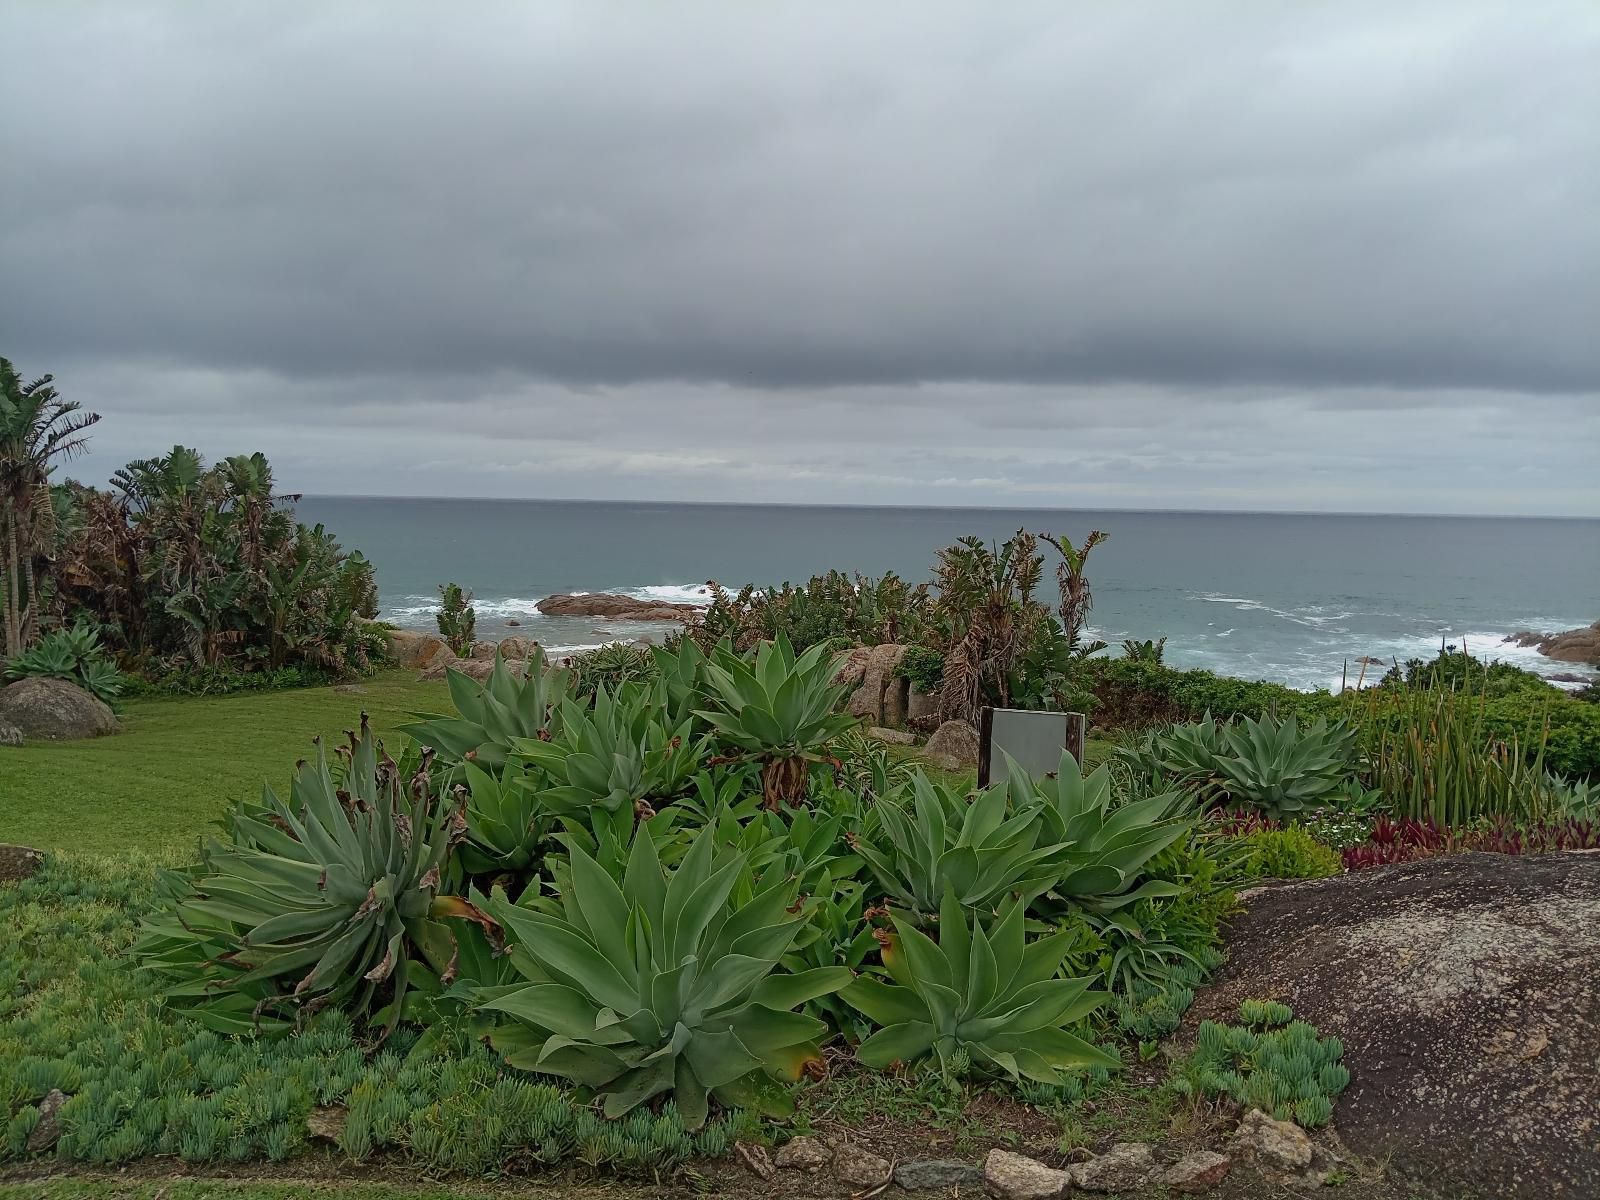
pixel 421 609
pixel 1313 616
pixel 673 593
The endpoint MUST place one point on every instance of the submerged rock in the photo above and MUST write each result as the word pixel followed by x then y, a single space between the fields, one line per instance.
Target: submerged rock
pixel 1464 989
pixel 53 710
pixel 1572 645
pixel 617 608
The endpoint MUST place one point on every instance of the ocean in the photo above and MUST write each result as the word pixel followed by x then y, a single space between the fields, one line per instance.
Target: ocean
pixel 1286 597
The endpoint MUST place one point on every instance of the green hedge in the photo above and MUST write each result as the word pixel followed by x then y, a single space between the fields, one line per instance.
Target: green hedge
pixel 1135 695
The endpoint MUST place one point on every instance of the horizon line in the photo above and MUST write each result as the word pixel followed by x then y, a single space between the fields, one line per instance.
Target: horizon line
pixel 1027 508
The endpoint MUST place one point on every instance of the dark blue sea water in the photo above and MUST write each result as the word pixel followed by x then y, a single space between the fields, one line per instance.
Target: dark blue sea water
pixel 1264 596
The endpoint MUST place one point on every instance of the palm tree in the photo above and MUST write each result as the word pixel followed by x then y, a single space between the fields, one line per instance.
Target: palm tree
pixel 37 429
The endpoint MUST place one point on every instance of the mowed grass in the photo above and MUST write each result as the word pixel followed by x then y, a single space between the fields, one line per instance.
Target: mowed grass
pixel 180 762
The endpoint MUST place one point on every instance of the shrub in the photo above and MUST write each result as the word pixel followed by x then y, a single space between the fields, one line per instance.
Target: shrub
pixel 1290 853
pixel 978 999
pixel 168 678
pixel 456 618
pixel 75 655
pixel 924 667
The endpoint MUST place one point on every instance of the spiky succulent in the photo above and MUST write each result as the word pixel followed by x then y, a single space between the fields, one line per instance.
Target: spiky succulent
pixel 662 983
pixel 310 902
pixel 778 709
pixel 1102 846
pixel 511 703
pixel 1283 768
pixel 926 840
pixel 980 998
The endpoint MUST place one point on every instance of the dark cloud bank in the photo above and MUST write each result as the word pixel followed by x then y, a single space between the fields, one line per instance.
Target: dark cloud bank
pixel 1234 255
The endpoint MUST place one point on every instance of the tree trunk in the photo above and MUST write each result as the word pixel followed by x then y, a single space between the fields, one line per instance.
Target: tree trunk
pixel 13 631
pixel 29 620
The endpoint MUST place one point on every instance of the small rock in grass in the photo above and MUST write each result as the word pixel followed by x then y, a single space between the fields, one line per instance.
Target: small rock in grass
pixel 936 1174
pixel 1122 1168
pixel 48 1130
pixel 1280 1144
pixel 803 1154
pixel 859 1166
pixel 1197 1172
pixel 326 1123
pixel 756 1159
pixel 1008 1176
pixel 19 862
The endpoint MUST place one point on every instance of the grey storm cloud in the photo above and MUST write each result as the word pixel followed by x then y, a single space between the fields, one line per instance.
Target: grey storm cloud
pixel 1122 219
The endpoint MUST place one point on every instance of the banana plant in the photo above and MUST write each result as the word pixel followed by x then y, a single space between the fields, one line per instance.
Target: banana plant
pixel 926 840
pixel 1100 846
pixel 661 984
pixel 508 705
pixel 984 999
pixel 778 710
pixel 312 902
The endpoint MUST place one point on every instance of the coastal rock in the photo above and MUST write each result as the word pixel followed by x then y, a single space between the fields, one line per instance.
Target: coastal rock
pixel 938 1175
pixel 1464 991
pixel 953 745
pixel 517 647
pixel 1008 1176
pixel 1281 1145
pixel 417 650
pixel 804 1154
pixel 617 608
pixel 1197 1172
pixel 53 710
pixel 852 667
pixel 513 623
pixel 483 649
pixel 881 697
pixel 893 737
pixel 860 1167
pixel 473 668
pixel 48 1131
pixel 19 862
pixel 1572 645
pixel 1122 1168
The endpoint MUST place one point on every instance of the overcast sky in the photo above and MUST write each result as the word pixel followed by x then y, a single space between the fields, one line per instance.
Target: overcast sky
pixel 1195 255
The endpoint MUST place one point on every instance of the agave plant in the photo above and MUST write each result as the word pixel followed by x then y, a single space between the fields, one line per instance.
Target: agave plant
pixel 615 756
pixel 779 710
pixel 312 902
pixel 661 984
pixel 978 998
pixel 926 841
pixel 509 704
pixel 1101 845
pixel 1185 755
pixel 1282 769
pixel 506 823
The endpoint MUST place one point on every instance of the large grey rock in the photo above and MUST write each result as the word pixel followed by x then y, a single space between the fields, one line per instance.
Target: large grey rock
pixel 53 710
pixel 938 1174
pixel 1122 1168
pixel 1008 1176
pixel 618 608
pixel 1573 645
pixel 953 745
pixel 473 668
pixel 881 697
pixel 10 735
pixel 892 737
pixel 516 647
pixel 484 650
pixel 1465 992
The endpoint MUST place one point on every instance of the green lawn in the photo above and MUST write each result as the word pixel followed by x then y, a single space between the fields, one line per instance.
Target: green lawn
pixel 179 762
